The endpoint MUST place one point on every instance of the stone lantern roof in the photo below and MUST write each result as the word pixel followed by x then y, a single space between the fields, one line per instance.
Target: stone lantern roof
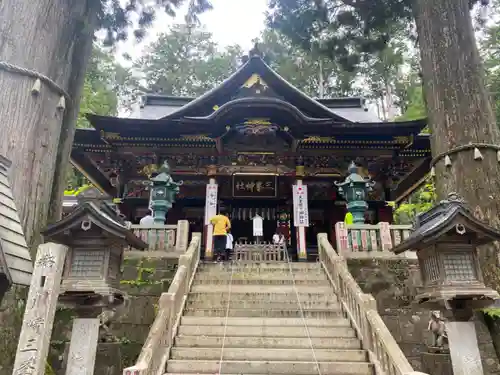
pixel 452 213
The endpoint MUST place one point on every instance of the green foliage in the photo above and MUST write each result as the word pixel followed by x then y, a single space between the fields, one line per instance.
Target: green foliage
pixel 490 48
pixel 105 82
pixel 116 17
pixel 492 312
pixel 420 201
pixel 185 61
pixel 48 369
pixel 346 31
pixel 306 70
pixel 415 107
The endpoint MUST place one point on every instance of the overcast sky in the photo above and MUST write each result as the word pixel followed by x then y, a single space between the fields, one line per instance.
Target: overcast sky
pixel 230 22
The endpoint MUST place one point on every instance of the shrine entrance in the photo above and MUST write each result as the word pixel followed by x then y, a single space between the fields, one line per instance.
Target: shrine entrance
pixel 241 212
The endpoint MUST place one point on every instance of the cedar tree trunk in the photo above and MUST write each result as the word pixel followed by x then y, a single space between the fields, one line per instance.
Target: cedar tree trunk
pixel 54 38
pixel 460 112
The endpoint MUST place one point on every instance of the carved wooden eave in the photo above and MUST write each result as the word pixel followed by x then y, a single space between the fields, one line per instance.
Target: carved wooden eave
pixel 101 216
pixel 432 225
pixel 266 107
pixel 15 258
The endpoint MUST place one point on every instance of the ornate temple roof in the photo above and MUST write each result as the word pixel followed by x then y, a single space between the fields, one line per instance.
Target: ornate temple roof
pixel 253 85
pixel 254 100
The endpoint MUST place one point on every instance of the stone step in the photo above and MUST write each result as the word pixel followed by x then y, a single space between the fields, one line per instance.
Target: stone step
pixel 284 289
pixel 266 331
pixel 262 305
pixel 263 322
pixel 272 297
pixel 268 342
pixel 263 313
pixel 258 266
pixel 257 271
pixel 261 282
pixel 268 276
pixel 268 367
pixel 268 354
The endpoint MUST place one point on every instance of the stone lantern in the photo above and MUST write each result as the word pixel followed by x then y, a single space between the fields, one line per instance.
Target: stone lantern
pixel 446 239
pixel 96 238
pixel 163 192
pixel 355 190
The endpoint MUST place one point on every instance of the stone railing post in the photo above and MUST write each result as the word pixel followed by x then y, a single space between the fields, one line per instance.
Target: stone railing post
pixel 385 236
pixel 182 236
pixel 342 238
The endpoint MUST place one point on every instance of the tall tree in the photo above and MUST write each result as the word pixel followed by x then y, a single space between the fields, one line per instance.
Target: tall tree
pixel 185 61
pixel 459 109
pixel 53 39
pixel 490 48
pixel 105 81
pixel 309 71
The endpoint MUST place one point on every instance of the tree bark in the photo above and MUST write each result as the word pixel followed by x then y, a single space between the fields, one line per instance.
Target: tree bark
pixel 460 113
pixel 44 36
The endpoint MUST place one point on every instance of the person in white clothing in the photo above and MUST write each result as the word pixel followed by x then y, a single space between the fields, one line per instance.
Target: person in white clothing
pixel 278 239
pixel 229 244
pixel 148 220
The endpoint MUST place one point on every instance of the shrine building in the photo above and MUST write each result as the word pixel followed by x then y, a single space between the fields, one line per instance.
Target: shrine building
pixel 254 136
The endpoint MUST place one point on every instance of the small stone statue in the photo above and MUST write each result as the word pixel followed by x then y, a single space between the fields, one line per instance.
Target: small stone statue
pixel 106 318
pixel 438 328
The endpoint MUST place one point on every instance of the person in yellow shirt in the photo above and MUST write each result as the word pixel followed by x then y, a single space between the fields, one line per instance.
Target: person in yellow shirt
pixel 221 225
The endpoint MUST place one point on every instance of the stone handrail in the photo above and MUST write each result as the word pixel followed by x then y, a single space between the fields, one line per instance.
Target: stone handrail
pixel 164 237
pixel 156 349
pixel 361 309
pixel 371 241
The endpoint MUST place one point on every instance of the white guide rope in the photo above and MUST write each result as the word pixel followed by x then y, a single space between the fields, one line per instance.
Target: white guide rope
pixel 302 311
pixel 227 316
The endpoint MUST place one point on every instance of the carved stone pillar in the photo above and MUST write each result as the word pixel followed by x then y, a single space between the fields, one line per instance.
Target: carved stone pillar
pixel 83 346
pixel 34 340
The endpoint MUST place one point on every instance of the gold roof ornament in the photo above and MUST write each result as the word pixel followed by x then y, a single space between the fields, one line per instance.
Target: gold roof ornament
pixel 148 170
pixel 258 121
pixel 255 79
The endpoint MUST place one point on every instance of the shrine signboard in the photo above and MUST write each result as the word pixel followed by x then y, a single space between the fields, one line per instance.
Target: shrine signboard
pixel 254 186
pixel 258 226
pixel 300 206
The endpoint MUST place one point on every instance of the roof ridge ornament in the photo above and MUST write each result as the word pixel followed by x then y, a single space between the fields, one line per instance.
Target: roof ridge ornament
pixel 453 197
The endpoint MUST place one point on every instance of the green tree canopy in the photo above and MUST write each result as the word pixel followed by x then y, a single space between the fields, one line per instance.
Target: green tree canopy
pixel 104 83
pixel 185 61
pixel 307 70
pixel 348 31
pixel 120 18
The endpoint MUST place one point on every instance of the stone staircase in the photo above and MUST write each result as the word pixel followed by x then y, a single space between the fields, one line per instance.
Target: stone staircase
pixel 268 318
pixel 254 324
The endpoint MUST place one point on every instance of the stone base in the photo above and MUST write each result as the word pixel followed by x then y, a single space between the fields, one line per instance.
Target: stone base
pixel 436 364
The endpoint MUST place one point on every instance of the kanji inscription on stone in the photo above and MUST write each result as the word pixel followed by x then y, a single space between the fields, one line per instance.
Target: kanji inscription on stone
pixel 34 340
pixel 83 347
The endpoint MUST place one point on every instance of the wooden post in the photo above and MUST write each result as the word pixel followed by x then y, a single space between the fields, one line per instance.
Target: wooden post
pixel 300 227
pixel 83 346
pixel 41 304
pixel 212 189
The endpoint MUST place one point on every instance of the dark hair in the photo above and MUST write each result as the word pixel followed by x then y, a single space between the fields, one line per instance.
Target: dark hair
pixel 222 210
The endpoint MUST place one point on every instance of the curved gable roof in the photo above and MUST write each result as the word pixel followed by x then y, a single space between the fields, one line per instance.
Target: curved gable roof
pixel 255 65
